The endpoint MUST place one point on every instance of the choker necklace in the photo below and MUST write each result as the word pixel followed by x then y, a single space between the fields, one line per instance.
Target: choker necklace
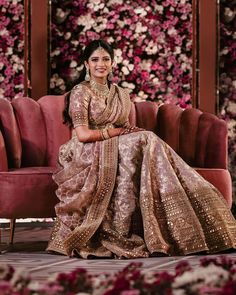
pixel 101 90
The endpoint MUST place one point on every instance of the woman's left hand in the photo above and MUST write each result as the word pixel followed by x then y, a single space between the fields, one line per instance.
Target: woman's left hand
pixel 131 129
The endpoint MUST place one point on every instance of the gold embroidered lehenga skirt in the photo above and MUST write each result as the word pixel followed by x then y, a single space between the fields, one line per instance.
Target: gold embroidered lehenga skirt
pixel 145 201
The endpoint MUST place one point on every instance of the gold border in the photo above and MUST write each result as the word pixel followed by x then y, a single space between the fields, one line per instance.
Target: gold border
pixel 81 235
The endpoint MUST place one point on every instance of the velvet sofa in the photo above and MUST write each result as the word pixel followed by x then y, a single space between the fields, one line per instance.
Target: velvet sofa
pixel 32 131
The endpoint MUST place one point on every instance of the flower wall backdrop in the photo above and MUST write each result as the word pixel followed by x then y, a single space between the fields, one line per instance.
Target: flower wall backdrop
pixel 228 78
pixel 152 40
pixel 11 48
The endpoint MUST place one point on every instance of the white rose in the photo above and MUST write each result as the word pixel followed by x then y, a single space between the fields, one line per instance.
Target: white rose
pixel 234 83
pixel 160 8
pixel 171 31
pixel 118 52
pixel 231 107
pixel 73 64
pixel 125 70
pixel 3 32
pixel 128 85
pixel 55 52
pixel 131 67
pixel 140 11
pixel 9 51
pixel 75 42
pixel 224 51
pixel 87 21
pixel 177 50
pixel 59 82
pixel 60 13
pixel 110 39
pixel 67 35
pixel 125 62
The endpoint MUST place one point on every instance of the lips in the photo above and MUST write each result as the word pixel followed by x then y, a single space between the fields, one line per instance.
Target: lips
pixel 101 69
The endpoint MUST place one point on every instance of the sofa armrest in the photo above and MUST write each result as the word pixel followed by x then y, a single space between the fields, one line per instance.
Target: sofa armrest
pixel 3 154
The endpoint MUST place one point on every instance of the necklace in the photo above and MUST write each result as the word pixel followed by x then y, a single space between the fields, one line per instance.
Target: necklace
pixel 101 90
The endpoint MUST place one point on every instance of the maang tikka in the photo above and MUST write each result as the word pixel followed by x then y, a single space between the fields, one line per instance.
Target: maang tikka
pixel 100 48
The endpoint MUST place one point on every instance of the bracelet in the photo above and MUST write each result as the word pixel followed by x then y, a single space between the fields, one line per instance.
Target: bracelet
pixel 105 134
pixel 102 135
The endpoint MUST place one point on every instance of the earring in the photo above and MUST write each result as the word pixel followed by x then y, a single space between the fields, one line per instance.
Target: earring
pixel 87 76
pixel 110 76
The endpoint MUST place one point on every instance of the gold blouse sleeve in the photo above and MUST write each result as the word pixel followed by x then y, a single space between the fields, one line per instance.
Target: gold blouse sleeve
pixel 79 102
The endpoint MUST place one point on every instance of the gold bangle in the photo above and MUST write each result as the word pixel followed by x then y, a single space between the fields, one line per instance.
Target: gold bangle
pixel 102 135
pixel 105 134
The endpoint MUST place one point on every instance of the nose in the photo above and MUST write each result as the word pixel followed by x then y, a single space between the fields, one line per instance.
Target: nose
pixel 101 62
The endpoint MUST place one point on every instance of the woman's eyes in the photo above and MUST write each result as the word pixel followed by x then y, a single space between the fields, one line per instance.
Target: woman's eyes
pixel 104 59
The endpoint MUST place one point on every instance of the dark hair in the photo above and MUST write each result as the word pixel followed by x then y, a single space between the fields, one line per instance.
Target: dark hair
pixel 88 51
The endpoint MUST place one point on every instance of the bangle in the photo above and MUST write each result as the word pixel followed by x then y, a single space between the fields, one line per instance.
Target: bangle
pixel 102 135
pixel 105 134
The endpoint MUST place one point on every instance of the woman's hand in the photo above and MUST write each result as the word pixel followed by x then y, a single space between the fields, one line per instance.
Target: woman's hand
pixel 85 134
pixel 131 129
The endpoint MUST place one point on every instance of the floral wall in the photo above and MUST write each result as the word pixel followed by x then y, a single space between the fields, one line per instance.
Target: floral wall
pixel 11 48
pixel 228 78
pixel 152 41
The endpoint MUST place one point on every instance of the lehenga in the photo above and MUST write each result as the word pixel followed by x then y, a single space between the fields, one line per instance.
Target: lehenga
pixel 146 200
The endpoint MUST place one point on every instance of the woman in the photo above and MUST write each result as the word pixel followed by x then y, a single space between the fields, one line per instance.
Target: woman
pixel 123 192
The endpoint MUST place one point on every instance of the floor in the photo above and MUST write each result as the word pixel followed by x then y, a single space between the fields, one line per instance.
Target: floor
pixel 28 252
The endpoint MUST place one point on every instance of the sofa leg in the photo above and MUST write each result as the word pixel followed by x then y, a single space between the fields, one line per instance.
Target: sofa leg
pixel 12 230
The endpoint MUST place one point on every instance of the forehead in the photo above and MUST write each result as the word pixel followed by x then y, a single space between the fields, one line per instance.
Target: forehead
pixel 100 52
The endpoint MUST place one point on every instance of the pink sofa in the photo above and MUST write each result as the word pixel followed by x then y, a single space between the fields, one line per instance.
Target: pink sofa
pixel 32 131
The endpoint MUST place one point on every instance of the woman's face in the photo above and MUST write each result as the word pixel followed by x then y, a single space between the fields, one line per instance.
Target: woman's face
pixel 99 65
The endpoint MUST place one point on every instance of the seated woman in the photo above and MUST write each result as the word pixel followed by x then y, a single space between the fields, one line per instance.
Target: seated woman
pixel 123 191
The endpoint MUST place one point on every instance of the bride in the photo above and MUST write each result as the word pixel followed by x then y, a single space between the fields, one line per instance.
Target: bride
pixel 123 191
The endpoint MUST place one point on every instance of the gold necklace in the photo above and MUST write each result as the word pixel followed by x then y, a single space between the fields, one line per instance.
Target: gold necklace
pixel 101 90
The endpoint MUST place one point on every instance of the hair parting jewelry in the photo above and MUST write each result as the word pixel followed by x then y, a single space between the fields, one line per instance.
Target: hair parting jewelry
pixel 100 48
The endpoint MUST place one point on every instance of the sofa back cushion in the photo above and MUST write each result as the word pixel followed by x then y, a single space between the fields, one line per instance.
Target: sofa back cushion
pixel 57 133
pixel 168 121
pixel 10 133
pixel 3 155
pixel 146 115
pixel 32 131
pixel 211 142
pixel 200 138
pixel 196 136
